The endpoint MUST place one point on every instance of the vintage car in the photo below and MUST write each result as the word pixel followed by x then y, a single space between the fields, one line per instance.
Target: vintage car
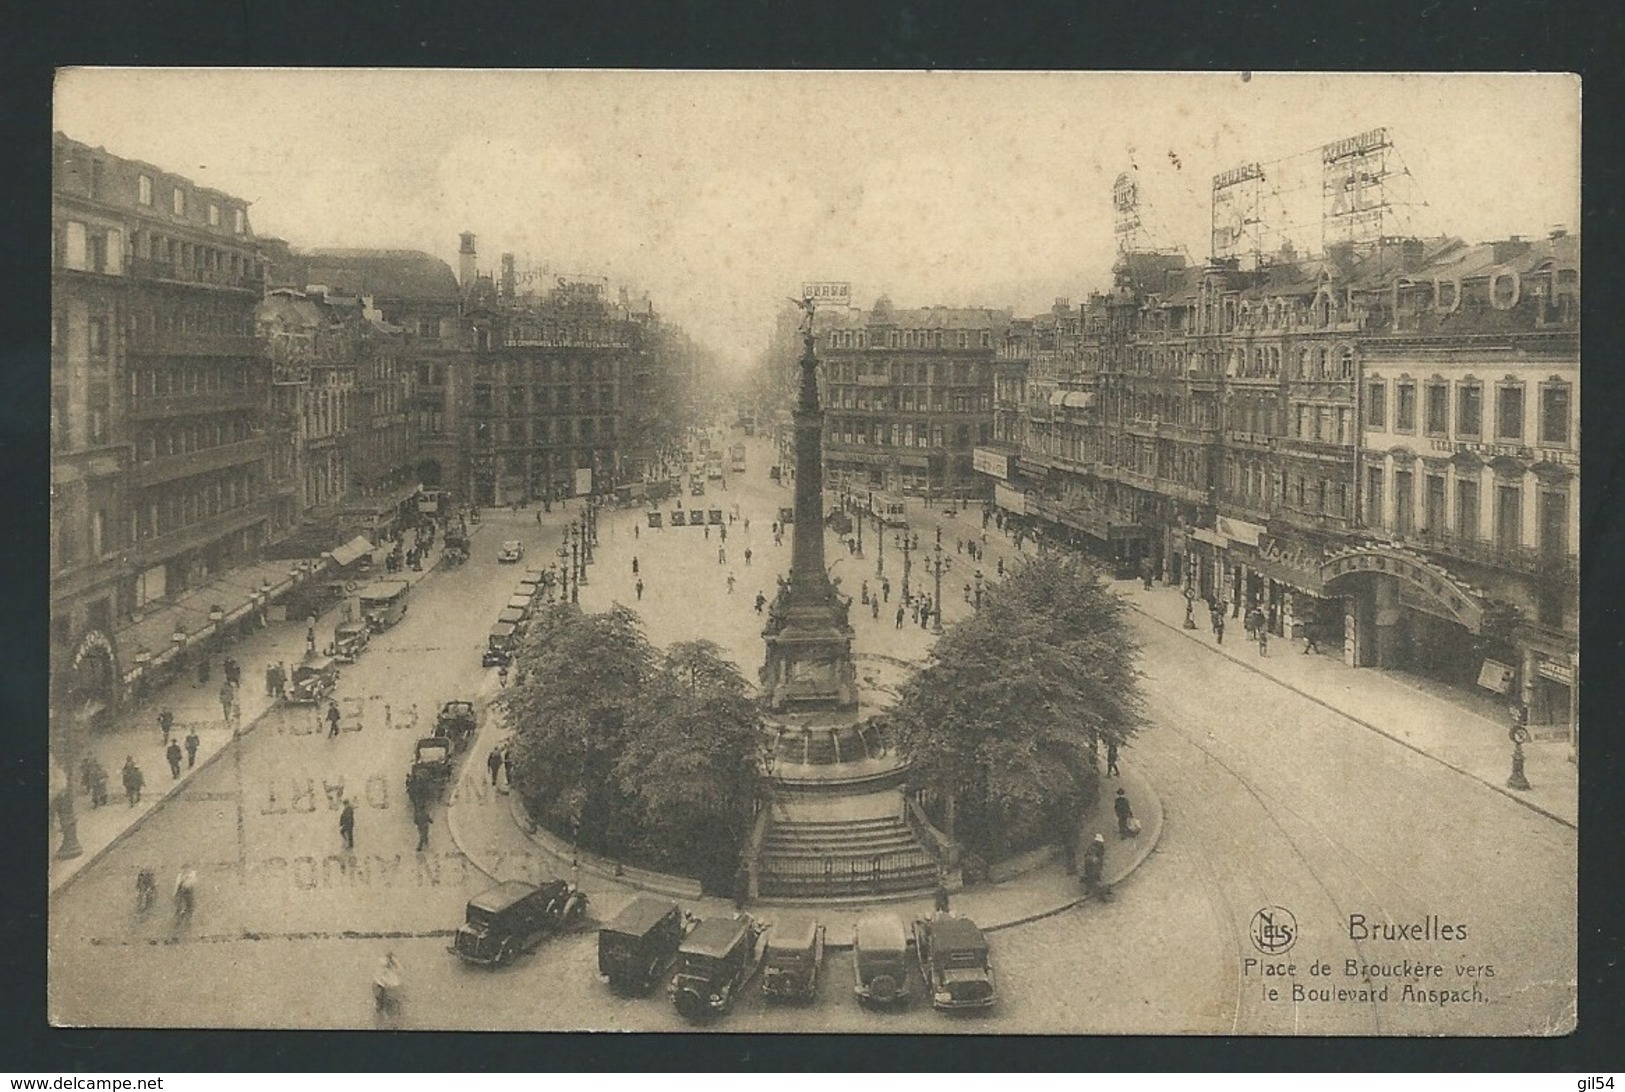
pixel 635 949
pixel 512 552
pixel 313 680
pixel 523 602
pixel 880 959
pixel 383 602
pixel 793 956
pixel 500 645
pixel 512 616
pixel 457 722
pixel 532 582
pixel 349 640
pixel 954 959
pixel 714 962
pixel 696 487
pixel 431 770
pixel 512 918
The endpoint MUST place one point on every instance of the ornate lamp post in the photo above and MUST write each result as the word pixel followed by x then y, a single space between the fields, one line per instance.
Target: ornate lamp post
pixel 937 565
pixel 1519 736
pixel 880 536
pixel 575 561
pixel 908 564
pixel 978 589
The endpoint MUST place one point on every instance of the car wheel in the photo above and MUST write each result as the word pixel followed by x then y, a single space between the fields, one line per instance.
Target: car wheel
pixel 883 988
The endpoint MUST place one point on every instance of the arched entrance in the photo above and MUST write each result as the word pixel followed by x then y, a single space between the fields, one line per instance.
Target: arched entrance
pixel 86 689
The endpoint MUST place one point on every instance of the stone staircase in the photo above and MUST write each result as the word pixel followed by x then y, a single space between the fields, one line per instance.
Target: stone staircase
pixel 843 858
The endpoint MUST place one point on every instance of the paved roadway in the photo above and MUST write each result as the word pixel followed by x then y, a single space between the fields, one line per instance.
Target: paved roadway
pixel 1271 801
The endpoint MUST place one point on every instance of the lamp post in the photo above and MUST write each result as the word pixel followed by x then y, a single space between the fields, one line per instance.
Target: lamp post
pixel 575 561
pixel 978 589
pixel 937 565
pixel 908 564
pixel 880 535
pixel 1519 736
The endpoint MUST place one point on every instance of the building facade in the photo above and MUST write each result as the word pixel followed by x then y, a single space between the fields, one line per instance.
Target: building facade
pixel 161 475
pixel 908 394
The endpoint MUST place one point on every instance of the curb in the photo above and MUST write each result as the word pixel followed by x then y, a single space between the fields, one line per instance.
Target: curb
pixel 1370 727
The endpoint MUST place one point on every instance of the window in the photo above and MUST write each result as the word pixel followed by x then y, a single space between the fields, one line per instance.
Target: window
pixel 214 214
pixel 1509 413
pixel 1376 405
pixel 1508 515
pixel 1469 411
pixel 1433 505
pixel 1345 364
pixel 1554 523
pixel 239 221
pixel 1373 496
pixel 1404 501
pixel 1554 413
pixel 177 201
pixel 1438 409
pixel 1405 407
pixel 97 329
pixel 143 190
pixel 75 247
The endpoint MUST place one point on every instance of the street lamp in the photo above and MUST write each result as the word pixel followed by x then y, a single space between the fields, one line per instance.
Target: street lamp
pixel 880 534
pixel 908 564
pixel 978 589
pixel 575 560
pixel 937 565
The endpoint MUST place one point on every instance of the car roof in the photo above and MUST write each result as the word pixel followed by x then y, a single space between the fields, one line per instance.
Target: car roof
pixel 502 896
pixel 320 663
pixel 511 543
pixel 352 626
pixel 797 933
pixel 640 915
pixel 962 933
pixel 457 706
pixel 519 602
pixel 880 931
pixel 510 616
pixel 714 937
pixel 503 629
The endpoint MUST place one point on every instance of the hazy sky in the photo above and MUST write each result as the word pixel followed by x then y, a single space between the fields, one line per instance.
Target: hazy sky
pixel 720 193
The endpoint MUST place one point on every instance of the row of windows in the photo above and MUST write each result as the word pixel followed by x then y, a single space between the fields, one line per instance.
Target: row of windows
pixel 178 203
pixel 544 398
pixel 1553 421
pixel 201 500
pixel 960 373
pixel 184 439
pixel 898 434
pixel 1434 519
pixel 1262 488
pixel 160 380
pixel 911 399
pixel 545 431
pixel 544 370
pixel 912 339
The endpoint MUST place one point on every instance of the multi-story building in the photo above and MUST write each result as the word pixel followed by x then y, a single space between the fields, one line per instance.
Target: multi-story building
pixel 160 459
pixel 908 394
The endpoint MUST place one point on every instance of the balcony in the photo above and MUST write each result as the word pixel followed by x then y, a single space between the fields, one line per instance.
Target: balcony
pixel 1557 568
pixel 197 404
pixel 153 551
pixel 186 344
pixel 173 272
pixel 173 467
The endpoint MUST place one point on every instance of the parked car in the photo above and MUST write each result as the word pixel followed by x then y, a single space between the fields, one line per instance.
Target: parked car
pixel 349 640
pixel 792 958
pixel 457 722
pixel 431 770
pixel 313 680
pixel 512 918
pixel 512 552
pixel 635 949
pixel 953 956
pixel 880 959
pixel 714 962
pixel 500 645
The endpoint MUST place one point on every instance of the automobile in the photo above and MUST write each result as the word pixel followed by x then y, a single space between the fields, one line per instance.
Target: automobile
pixel 880 959
pixel 635 948
pixel 384 602
pixel 513 917
pixel 500 645
pixel 431 770
pixel 953 957
pixel 714 962
pixel 512 552
pixel 457 722
pixel 349 640
pixel 791 960
pixel 522 601
pixel 696 488
pixel 313 680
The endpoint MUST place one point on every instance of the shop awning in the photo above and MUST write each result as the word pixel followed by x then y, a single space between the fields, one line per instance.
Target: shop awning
pixel 352 551
pixel 1077 399
pixel 1212 538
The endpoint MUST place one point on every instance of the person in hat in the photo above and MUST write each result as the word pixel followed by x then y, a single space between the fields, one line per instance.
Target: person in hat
pixel 1124 811
pixel 1094 864
pixel 192 743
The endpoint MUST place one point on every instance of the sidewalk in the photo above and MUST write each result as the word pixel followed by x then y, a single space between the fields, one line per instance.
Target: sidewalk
pixel 494 840
pixel 1417 713
pixel 136 734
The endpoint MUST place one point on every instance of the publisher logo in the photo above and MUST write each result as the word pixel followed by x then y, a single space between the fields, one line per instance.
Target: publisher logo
pixel 1273 930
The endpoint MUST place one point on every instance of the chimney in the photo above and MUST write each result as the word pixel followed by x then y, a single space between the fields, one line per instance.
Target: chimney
pixel 509 277
pixel 465 261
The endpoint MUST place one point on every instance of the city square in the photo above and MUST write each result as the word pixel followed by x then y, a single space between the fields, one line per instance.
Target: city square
pixel 1356 814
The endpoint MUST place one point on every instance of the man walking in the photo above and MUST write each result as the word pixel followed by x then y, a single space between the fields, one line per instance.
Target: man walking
pixel 347 825
pixel 900 612
pixel 421 818
pixel 638 587
pixel 1218 626
pixel 133 781
pixel 281 679
pixel 270 680
pixel 885 589
pixel 1311 634
pixel 730 583
pixel 874 609
pixel 228 697
pixel 761 601
pixel 634 564
pixel 1263 640
pixel 493 762
pixel 1124 811
pixel 191 747
pixel 1111 759
pixel 747 555
pixel 173 754
pixel 166 723
pixel 332 720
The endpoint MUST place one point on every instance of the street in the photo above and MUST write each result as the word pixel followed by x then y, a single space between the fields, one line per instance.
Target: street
pixel 1271 801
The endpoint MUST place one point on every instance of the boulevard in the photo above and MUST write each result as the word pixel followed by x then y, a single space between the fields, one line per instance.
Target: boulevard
pixel 1271 800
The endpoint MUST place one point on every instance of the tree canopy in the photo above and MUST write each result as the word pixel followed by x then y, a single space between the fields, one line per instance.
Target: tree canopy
pixel 1010 708
pixel 648 757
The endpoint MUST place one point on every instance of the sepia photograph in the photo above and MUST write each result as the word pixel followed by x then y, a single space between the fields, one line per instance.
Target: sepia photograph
pixel 930 553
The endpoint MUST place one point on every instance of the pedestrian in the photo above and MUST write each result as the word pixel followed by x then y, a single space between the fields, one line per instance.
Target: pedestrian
pixel 310 641
pixel 639 588
pixel 747 523
pixel 166 723
pixel 270 680
pixel 939 898
pixel 959 545
pixel 708 530
pixel 203 670
pixel 281 679
pixel 502 676
pixel 761 601
pixel 747 555
pixel 507 768
pixel 874 609
pixel 234 672
pixel 637 530
pixel 900 611
pixel 1218 626
pixel 1111 759
pixel 1263 640
pixel 227 696
pixel 722 555
pixel 347 825
pixel 730 583
pixel 723 531
pixel 1094 866
pixel 133 781
pixel 885 589
pixel 421 818
pixel 634 564
pixel 775 528
pixel 493 762
pixel 1311 638
pixel 967 592
pixel 87 774
pixel 1125 813
pixel 98 784
pixel 191 747
pixel 332 720
pixel 1001 566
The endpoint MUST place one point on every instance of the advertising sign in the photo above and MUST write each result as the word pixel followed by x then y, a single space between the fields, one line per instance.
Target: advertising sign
pixel 987 461
pixel 828 293
pixel 1011 500
pixel 1239 530
pixel 1495 676
pixel 583 480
